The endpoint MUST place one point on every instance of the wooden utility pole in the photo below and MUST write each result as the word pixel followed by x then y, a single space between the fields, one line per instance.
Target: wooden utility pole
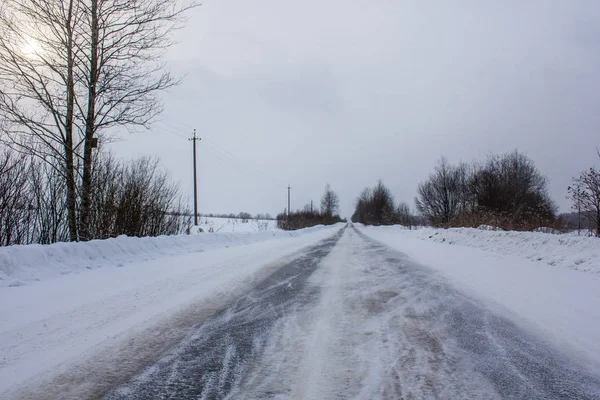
pixel 288 208
pixel 194 139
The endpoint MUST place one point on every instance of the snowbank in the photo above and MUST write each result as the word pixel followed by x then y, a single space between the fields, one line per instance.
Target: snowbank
pixel 580 253
pixel 117 320
pixel 21 264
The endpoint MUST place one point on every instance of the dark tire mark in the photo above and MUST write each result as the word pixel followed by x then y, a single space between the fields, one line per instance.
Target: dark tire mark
pixel 212 360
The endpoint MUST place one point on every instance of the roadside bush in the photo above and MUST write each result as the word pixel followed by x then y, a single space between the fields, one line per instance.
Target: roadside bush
pixel 135 198
pixel 305 219
pixel 507 191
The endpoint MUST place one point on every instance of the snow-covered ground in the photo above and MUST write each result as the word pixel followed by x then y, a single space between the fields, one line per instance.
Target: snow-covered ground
pixel 107 308
pixel 157 286
pixel 232 225
pixel 510 271
pixel 581 253
pixel 20 265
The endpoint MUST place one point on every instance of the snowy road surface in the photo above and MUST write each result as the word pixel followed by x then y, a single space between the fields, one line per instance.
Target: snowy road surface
pixel 354 319
pixel 345 318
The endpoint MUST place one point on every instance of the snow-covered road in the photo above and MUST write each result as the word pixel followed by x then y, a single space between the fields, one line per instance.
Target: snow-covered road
pixel 71 335
pixel 354 319
pixel 347 317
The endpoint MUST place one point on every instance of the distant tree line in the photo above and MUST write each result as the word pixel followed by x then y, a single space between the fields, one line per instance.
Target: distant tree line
pixel 244 216
pixel 328 214
pixel 376 206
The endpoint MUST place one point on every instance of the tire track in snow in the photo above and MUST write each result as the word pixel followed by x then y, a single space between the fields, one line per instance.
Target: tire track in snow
pixel 210 362
pixel 356 319
pixel 359 342
pixel 387 328
pixel 461 333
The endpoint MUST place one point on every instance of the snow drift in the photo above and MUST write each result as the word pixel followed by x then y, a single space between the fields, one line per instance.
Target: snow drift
pixel 21 264
pixel 579 253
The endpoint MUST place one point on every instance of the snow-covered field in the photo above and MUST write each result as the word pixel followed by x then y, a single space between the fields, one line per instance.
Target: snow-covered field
pixel 151 285
pixel 510 271
pixel 233 225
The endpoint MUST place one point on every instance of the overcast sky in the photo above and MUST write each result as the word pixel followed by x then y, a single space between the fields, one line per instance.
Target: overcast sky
pixel 348 92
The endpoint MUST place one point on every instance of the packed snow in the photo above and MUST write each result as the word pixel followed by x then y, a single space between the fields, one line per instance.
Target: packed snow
pixel 167 283
pixel 505 270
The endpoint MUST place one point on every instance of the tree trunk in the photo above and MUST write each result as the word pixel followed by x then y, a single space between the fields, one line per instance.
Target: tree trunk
pixel 90 122
pixel 598 221
pixel 69 163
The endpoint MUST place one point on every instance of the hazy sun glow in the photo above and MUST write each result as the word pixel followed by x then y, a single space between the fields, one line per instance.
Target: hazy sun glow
pixel 31 48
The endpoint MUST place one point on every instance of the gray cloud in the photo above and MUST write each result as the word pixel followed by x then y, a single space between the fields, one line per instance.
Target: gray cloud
pixel 328 91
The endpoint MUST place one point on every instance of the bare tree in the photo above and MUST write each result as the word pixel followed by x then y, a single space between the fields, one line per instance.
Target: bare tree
pixel 513 193
pixel 37 91
pixel 404 215
pixel 70 69
pixel 440 196
pixel 330 202
pixel 507 191
pixel 14 198
pixel 48 194
pixel 123 71
pixel 585 193
pixel 375 206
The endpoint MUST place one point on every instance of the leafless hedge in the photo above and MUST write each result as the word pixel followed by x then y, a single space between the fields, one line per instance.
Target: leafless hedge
pixel 135 198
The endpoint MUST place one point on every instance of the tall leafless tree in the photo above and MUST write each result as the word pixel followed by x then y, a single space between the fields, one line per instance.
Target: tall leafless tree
pixel 330 202
pixel 37 89
pixel 123 71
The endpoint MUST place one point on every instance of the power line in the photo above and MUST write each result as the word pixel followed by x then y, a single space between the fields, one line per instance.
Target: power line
pixel 236 160
pixel 166 128
pixel 228 156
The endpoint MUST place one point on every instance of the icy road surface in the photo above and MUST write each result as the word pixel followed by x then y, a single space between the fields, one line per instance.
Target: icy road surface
pixel 354 319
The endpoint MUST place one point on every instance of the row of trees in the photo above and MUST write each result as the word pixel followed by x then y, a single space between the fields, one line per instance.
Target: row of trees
pixel 243 215
pixel 585 194
pixel 134 198
pixel 328 214
pixel 506 191
pixel 26 188
pixel 376 206
pixel 72 69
